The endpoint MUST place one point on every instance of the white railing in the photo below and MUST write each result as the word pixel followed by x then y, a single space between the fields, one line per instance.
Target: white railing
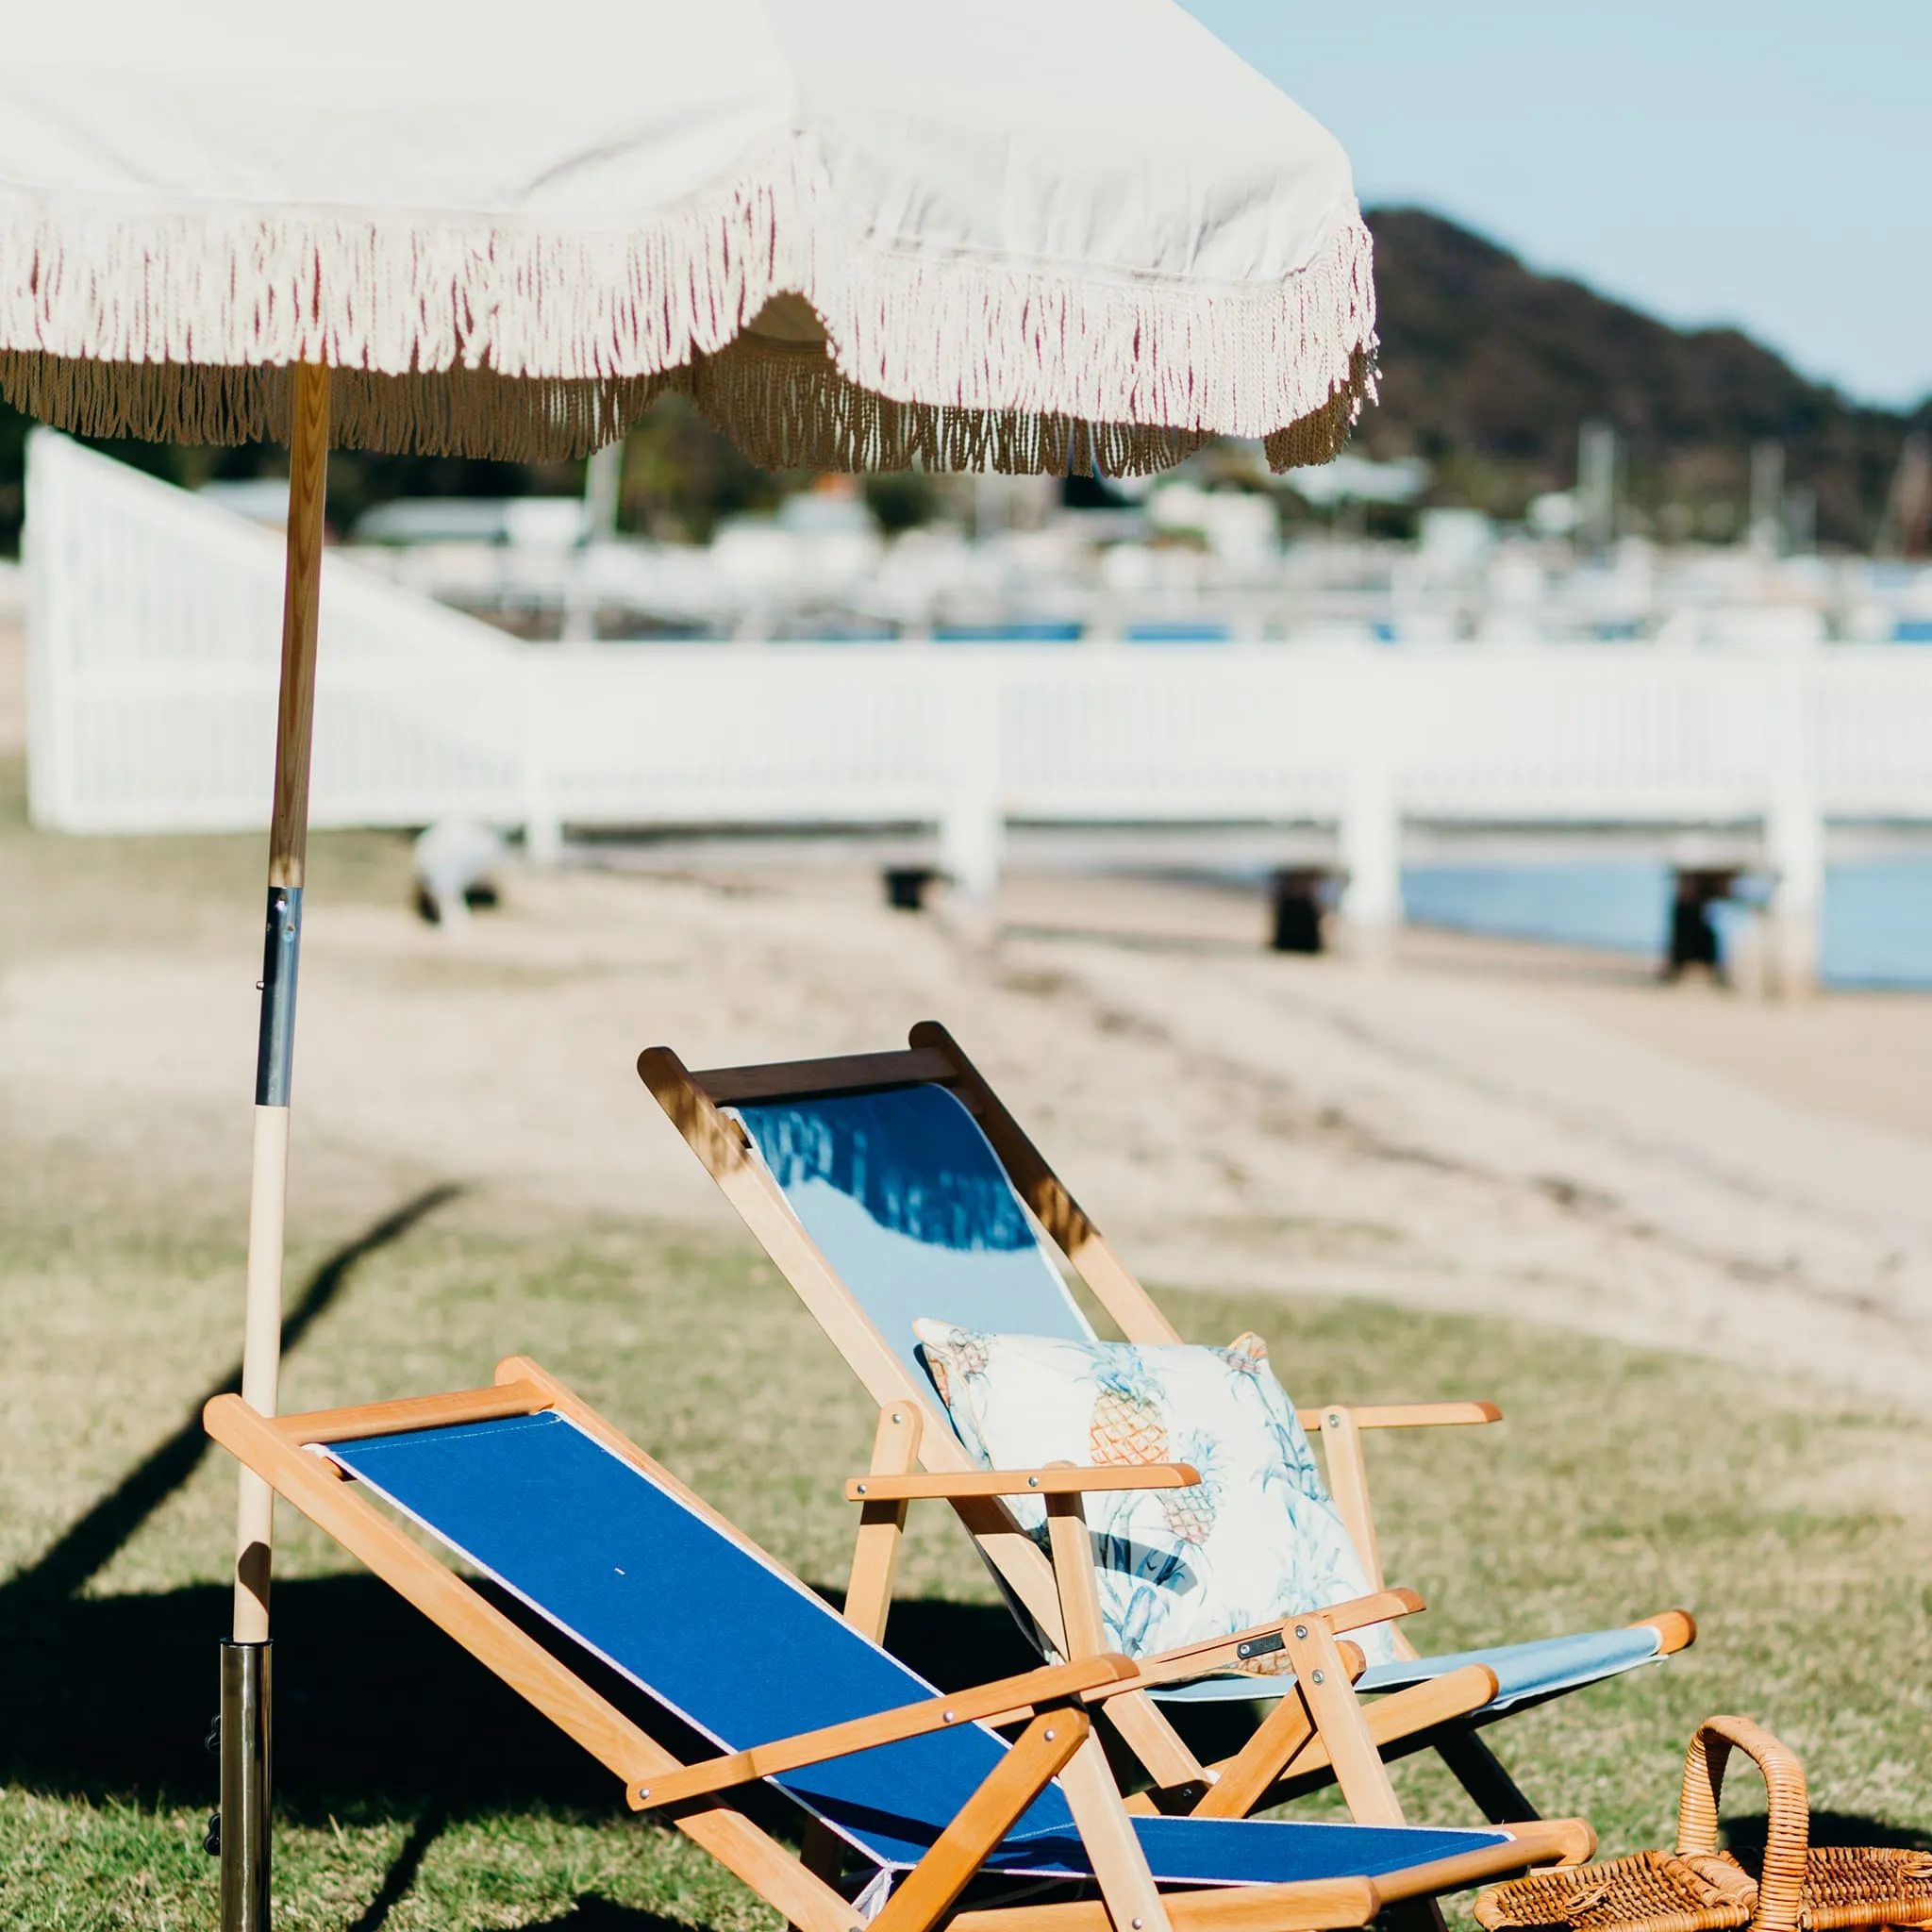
pixel 155 619
pixel 154 624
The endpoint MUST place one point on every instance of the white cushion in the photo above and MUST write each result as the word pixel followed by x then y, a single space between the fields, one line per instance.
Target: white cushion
pixel 1260 1538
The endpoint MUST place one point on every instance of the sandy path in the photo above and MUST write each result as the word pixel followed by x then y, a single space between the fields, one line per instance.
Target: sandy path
pixel 1560 1168
pixel 1450 1138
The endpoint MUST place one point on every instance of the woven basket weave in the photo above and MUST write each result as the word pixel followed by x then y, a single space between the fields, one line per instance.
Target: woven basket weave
pixel 1700 1888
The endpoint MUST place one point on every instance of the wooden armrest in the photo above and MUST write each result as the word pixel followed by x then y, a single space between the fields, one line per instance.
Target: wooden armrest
pixel 1011 1697
pixel 366 1419
pixel 1376 1607
pixel 1223 1654
pixel 1547 1841
pixel 1062 1479
pixel 1404 1415
pixel 1560 1840
pixel 1228 1653
pixel 1676 1628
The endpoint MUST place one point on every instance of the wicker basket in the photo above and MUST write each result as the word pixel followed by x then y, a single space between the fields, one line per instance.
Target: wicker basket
pixel 1700 1888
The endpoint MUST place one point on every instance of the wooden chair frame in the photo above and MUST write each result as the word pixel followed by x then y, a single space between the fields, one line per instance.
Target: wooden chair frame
pixel 1441 1714
pixel 1318 1724
pixel 1054 1704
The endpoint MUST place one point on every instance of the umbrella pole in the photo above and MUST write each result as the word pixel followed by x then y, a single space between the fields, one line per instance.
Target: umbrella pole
pixel 243 1824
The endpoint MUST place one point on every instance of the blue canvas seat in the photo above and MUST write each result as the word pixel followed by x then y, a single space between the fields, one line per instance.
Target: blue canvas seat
pixel 618 1562
pixel 526 1487
pixel 904 1175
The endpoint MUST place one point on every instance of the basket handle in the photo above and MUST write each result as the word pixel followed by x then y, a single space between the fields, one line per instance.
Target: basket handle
pixel 1788 1826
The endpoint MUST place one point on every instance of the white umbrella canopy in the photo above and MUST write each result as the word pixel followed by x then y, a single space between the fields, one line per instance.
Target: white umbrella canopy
pixel 1025 234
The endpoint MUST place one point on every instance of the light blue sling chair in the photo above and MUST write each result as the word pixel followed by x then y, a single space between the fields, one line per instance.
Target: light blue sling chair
pixel 530 1488
pixel 895 1187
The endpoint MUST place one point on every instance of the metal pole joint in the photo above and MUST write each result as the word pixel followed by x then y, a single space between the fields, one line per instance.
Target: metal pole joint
pixel 281 954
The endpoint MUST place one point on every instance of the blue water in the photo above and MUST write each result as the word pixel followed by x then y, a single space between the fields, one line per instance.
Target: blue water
pixel 1877 928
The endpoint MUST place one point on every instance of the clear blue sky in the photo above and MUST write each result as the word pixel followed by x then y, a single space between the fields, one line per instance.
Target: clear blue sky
pixel 1708 160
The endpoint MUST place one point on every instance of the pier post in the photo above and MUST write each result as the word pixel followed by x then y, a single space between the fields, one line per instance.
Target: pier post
pixel 542 830
pixel 973 825
pixel 1370 836
pixel 1794 839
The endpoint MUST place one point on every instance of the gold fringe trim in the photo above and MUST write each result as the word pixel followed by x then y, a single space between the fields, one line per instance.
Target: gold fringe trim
pixel 786 406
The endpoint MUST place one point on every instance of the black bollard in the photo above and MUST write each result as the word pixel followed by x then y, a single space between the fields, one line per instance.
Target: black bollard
pixel 905 887
pixel 1297 895
pixel 1693 935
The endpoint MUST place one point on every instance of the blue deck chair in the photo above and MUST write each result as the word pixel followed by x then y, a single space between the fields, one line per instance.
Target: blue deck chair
pixel 529 1487
pixel 892 1186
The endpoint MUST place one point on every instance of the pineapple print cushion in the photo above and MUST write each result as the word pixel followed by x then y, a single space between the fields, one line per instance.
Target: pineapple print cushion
pixel 1258 1538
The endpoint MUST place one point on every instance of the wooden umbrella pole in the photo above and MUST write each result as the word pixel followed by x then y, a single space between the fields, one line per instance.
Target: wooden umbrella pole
pixel 287 856
pixel 242 1828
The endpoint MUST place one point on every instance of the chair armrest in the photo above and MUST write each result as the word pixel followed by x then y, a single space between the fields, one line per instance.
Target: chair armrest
pixel 995 1703
pixel 1676 1631
pixel 1404 1415
pixel 1228 1653
pixel 1545 1841
pixel 1062 1479
pixel 1376 1607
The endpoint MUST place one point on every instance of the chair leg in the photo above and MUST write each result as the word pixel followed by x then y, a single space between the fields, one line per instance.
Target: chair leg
pixel 1327 1686
pixel 822 1851
pixel 1145 1730
pixel 882 1526
pixel 1134 1716
pixel 1246 1777
pixel 1107 1831
pixel 1415 1915
pixel 1481 1773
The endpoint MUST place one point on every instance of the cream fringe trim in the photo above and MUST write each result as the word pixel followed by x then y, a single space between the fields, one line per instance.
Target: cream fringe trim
pixel 494 342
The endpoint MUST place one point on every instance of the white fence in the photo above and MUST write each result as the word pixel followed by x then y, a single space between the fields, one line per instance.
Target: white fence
pixel 154 636
pixel 154 629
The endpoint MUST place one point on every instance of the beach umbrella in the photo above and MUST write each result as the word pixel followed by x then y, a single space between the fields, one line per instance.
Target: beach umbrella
pixel 1059 236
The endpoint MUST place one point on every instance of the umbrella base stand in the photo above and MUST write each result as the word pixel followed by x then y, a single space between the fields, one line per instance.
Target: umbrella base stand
pixel 245 1838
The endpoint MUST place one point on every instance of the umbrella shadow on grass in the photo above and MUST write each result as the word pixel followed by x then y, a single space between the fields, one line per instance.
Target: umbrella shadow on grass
pixel 91 1543
pixel 594 1913
pixel 378 1713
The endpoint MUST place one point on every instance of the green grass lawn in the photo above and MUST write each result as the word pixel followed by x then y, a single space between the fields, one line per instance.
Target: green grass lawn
pixel 414 1794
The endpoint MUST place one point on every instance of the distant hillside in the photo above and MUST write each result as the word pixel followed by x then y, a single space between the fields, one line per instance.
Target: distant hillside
pixel 1489 370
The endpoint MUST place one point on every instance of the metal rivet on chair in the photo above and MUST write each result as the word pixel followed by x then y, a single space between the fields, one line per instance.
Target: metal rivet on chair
pixel 1032 1482
pixel 946 1717
pixel 1301 1629
pixel 1320 1678
pixel 860 1487
pixel 1051 1735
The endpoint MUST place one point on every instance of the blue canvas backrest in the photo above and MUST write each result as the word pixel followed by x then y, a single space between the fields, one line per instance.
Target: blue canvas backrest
pixel 701 1620
pixel 905 1198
